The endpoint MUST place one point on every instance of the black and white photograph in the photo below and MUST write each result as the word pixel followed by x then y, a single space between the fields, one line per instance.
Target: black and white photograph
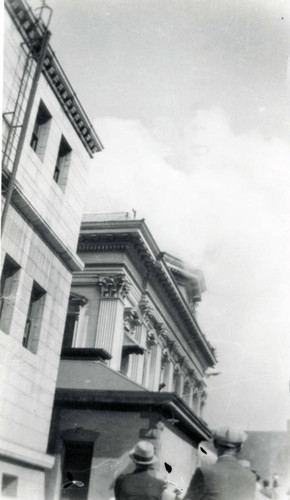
pixel 145 250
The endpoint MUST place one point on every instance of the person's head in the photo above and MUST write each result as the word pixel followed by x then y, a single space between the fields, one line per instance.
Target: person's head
pixel 143 455
pixel 266 483
pixel 228 440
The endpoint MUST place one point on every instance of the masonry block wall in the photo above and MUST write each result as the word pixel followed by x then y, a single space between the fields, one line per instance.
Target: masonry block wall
pixel 116 433
pixel 28 378
pixel 60 207
pixel 37 260
pixel 180 452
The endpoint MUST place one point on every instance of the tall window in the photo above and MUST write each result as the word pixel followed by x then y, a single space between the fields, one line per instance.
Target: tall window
pixel 77 467
pixel 187 392
pixel 40 131
pixel 75 305
pixel 9 285
pixel 9 486
pixel 34 318
pixel 176 380
pixel 62 163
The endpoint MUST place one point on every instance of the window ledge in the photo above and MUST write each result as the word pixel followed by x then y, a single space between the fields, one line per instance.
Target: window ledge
pixel 87 353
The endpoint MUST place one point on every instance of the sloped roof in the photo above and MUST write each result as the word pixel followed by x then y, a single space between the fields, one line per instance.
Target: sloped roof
pixel 93 375
pixel 171 407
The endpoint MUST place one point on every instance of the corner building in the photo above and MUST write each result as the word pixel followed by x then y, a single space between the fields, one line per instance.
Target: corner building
pixel 47 144
pixel 132 364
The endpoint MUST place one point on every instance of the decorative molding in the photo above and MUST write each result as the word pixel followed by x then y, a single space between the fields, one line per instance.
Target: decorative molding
pixel 54 74
pixel 131 321
pixel 165 357
pixel 89 244
pixel 146 309
pixel 75 303
pixel 177 371
pixel 151 340
pixel 113 286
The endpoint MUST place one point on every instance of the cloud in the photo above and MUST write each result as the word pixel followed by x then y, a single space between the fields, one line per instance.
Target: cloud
pixel 220 201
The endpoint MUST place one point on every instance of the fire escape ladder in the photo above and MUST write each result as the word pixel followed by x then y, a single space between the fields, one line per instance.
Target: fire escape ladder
pixel 33 30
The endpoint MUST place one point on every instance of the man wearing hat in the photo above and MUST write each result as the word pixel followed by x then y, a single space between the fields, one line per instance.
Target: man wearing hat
pixel 227 479
pixel 140 484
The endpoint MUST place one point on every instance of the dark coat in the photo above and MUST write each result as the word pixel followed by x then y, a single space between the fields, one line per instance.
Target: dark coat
pixel 225 480
pixel 139 485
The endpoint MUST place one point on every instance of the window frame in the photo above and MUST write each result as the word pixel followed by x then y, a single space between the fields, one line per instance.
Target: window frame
pixel 40 132
pixel 12 486
pixel 34 318
pixel 62 164
pixel 9 287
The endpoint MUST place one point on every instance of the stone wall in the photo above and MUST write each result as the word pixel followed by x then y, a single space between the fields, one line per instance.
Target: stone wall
pixel 28 379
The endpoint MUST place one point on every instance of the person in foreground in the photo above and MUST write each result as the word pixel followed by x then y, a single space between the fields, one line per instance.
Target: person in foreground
pixel 140 484
pixel 227 479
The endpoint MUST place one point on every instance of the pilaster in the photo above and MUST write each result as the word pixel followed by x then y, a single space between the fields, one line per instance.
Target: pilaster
pixel 110 333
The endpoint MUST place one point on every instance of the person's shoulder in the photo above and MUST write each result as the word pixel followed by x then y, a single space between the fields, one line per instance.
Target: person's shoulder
pixel 121 478
pixel 153 477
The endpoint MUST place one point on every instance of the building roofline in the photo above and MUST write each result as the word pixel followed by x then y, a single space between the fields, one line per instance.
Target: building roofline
pixel 173 408
pixel 32 30
pixel 153 260
pixel 178 267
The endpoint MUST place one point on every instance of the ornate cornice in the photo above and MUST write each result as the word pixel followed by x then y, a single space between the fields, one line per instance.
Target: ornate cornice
pixel 132 236
pixel 33 30
pixel 113 285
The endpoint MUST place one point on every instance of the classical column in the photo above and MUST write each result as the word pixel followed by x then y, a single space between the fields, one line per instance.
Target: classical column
pixel 196 400
pixel 155 367
pixel 181 384
pixel 136 357
pixel 141 359
pixel 110 332
pixel 170 376
pixel 187 393
pixel 149 359
pixel 164 368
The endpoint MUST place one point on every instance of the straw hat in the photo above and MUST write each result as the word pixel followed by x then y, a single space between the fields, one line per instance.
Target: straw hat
pixel 143 453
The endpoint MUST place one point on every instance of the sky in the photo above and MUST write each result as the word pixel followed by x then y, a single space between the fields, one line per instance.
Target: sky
pixel 191 101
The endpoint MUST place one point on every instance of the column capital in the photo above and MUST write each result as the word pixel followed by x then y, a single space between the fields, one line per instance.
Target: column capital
pixel 113 286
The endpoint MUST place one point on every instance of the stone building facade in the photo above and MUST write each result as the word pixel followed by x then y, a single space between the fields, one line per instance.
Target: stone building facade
pixel 133 362
pixel 47 144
